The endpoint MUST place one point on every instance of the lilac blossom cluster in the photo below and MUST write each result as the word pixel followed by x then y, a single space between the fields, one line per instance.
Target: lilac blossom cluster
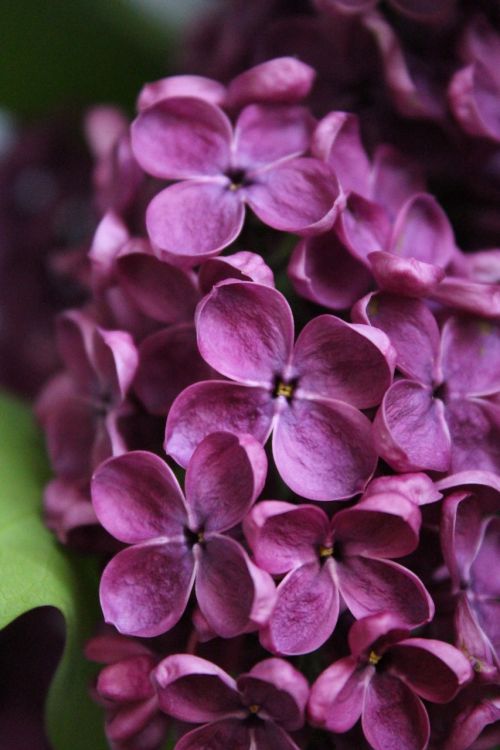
pixel 332 585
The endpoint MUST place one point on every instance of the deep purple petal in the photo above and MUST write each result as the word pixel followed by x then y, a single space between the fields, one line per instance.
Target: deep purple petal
pixel 343 361
pixel 323 449
pixel 195 219
pixel 305 613
pixel 216 406
pixel 228 733
pixel 245 331
pixel 145 589
pixel 393 717
pixel 473 98
pixel 337 696
pixel 395 178
pixel 369 586
pixel 136 497
pixel 298 195
pixel 265 134
pixel 410 429
pixel 233 594
pixel 193 689
pixel 182 137
pixel 286 680
pixel 283 536
pixel 224 477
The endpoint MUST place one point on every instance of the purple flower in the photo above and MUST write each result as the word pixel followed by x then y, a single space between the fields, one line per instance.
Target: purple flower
pixel 309 393
pixel 382 682
pixel 257 710
pixel 178 541
pixel 442 415
pixel 221 170
pixel 324 559
pixel 476 723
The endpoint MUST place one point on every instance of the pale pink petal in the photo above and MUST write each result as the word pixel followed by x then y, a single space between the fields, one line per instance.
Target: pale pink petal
pixel 213 406
pixel 110 237
pixel 136 497
pixel 305 613
pixel 195 219
pixel 144 589
pixel 225 475
pixel 233 594
pixel 198 87
pixel 281 80
pixel 298 195
pixel 337 696
pixel 393 716
pixel 245 331
pixel 323 449
pixel 182 137
pixel 410 430
pixel 343 361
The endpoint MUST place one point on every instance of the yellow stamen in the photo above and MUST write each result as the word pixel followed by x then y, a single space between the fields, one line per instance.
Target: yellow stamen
pixel 201 537
pixel 254 708
pixel 325 551
pixel 284 389
pixel 374 658
pixel 233 187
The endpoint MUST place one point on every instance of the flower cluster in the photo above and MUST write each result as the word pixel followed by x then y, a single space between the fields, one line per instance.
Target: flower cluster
pixel 332 587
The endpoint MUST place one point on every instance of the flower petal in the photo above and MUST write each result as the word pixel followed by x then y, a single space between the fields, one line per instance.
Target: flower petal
pixel 228 733
pixel 287 702
pixel 422 231
pixel 145 589
pixel 215 406
pixel 323 449
pixel 475 434
pixel 245 331
pixel 471 356
pixel 182 137
pixel 337 696
pixel 198 87
pixel 242 266
pixel 136 497
pixel 337 140
pixel 194 219
pixel 283 79
pixel 393 716
pixel 405 276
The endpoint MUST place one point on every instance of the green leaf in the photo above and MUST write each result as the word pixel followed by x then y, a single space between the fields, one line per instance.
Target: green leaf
pixel 36 571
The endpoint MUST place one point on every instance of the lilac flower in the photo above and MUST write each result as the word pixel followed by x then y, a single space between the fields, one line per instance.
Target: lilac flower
pixel 80 408
pixel 442 415
pixel 255 711
pixel 188 139
pixel 124 687
pixel 324 559
pixel 476 723
pixel 309 393
pixel 383 681
pixel 178 541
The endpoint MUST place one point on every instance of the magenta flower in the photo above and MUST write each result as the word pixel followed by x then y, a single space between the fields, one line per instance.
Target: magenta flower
pixel 221 170
pixel 178 541
pixel 309 393
pixel 476 723
pixel 80 408
pixel 324 559
pixel 255 711
pixel 383 681
pixel 442 415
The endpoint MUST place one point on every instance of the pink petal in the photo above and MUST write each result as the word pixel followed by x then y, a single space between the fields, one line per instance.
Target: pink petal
pixel 233 594
pixel 483 584
pixel 265 134
pixel 339 360
pixel 245 331
pixel 395 178
pixel 405 276
pixel 323 449
pixel 224 477
pixel 337 696
pixel 472 640
pixel 298 195
pixel 477 716
pixel 242 266
pixel 169 361
pixel 475 434
pixel 215 406
pixel 127 680
pixel 287 681
pixel 228 733
pixel 195 219
pixel 364 227
pixel 461 528
pixel 283 536
pixel 369 586
pixel 158 289
pixel 182 137
pixel 433 669
pixel 477 299
pixel 136 497
pixel 393 717
pixel 284 79
pixel 324 271
pixel 418 488
pixel 116 360
pixel 305 613
pixel 193 689
pixel 145 589
pixel 470 356
pixel 410 430
pixel 383 525
pixel 377 633
pixel 337 141
pixel 198 87
pixel 422 231
pixel 473 98
pixel 74 332
pixel 110 237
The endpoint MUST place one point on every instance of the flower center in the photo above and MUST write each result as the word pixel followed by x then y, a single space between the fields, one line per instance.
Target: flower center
pixel 254 708
pixel 284 388
pixel 374 658
pixel 237 177
pixel 325 551
pixel 194 537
